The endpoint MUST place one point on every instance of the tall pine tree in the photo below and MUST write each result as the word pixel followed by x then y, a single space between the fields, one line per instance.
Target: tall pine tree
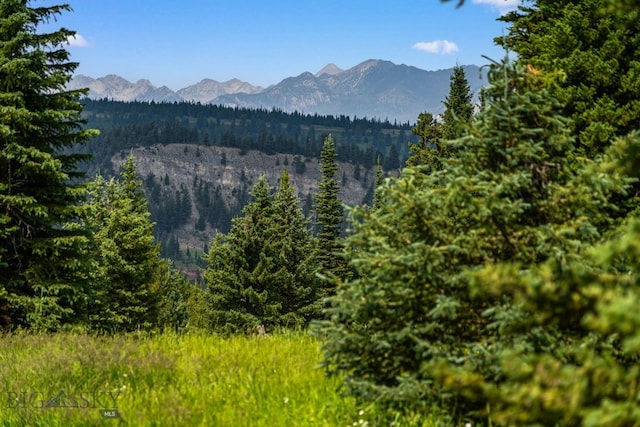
pixel 329 216
pixel 377 182
pixel 430 150
pixel 264 270
pixel 458 105
pixel 297 257
pixel 41 261
pixel 128 257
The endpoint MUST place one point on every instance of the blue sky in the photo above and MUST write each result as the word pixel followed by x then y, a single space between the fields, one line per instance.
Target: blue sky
pixel 179 42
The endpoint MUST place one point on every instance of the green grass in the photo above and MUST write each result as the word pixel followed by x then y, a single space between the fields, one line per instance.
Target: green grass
pixel 170 380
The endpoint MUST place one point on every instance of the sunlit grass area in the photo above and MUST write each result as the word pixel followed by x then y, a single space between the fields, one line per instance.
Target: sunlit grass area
pixel 208 380
pixel 173 380
pixel 170 380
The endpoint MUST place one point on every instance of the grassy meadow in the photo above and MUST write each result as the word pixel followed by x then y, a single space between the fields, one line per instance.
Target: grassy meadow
pixel 170 380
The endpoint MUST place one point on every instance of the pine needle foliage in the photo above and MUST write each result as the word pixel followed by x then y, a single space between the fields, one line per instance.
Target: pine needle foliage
pixel 41 262
pixel 458 105
pixel 126 255
pixel 377 182
pixel 329 217
pixel 410 331
pixel 263 272
pixel 428 150
pixel 572 350
pixel 432 130
pixel 595 43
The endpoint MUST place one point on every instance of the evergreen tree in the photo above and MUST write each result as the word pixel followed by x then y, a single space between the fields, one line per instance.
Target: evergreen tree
pixel 377 203
pixel 429 150
pixel 329 215
pixel 128 256
pixel 299 165
pixel 297 258
pixel 201 224
pixel 42 266
pixel 596 47
pixel 231 260
pixel 408 331
pixel 171 291
pixel 458 105
pixel 263 270
pixel 357 173
pixel 392 160
pixel 308 204
pixel 572 345
pixel 429 147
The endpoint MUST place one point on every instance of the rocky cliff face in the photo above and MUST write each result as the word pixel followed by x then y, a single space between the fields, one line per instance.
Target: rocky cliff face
pixel 233 173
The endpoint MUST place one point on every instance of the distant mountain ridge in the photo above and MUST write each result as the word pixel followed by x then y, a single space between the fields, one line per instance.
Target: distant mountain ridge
pixel 119 89
pixel 373 88
pixel 207 90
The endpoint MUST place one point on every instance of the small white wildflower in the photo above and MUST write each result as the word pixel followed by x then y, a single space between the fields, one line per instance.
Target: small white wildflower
pixel 467 425
pixel 361 412
pixel 286 400
pixel 124 375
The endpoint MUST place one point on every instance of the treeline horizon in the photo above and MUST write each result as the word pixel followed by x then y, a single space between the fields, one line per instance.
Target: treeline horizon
pixel 128 124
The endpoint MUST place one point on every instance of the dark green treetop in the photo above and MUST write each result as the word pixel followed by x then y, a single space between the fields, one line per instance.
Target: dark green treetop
pixel 377 203
pixel 429 151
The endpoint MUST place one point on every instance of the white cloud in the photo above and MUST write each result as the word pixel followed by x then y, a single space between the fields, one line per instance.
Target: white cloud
pixel 77 41
pixel 502 5
pixel 441 47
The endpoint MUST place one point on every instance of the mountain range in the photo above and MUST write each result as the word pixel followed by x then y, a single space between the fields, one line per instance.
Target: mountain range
pixel 374 88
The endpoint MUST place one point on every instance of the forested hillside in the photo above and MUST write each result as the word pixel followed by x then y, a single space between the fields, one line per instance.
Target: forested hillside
pixel 199 162
pixel 139 124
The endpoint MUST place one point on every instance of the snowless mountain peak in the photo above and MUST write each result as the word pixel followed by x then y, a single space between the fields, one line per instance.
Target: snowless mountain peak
pixel 330 69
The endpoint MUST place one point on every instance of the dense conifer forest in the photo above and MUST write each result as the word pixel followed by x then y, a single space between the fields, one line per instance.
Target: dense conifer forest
pixel 124 125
